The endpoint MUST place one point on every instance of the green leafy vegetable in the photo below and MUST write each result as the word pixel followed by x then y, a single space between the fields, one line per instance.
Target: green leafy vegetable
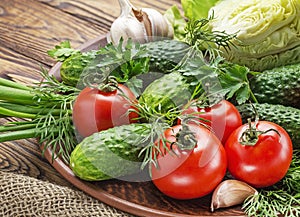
pixel 178 22
pixel 62 51
pixel 133 61
pixel 234 82
pixel 121 62
pixel 267 32
pixel 197 9
pixel 200 37
pixel 219 78
pixel 81 68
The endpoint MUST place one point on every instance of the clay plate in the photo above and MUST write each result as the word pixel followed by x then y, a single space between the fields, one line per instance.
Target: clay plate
pixel 138 198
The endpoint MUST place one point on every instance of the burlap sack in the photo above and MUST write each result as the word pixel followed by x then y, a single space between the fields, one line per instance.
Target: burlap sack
pixel 26 196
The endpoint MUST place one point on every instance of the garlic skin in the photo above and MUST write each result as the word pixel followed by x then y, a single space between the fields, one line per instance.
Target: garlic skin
pixel 140 25
pixel 229 193
pixel 159 24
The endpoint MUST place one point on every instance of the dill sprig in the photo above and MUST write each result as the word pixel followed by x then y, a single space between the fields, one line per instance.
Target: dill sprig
pixel 198 35
pixel 47 107
pixel 281 199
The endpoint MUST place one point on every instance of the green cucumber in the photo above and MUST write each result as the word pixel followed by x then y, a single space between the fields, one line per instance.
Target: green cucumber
pixel 110 153
pixel 278 86
pixel 167 93
pixel 72 67
pixel 165 54
pixel 285 116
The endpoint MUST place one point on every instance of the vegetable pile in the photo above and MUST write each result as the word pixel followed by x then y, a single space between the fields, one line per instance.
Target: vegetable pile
pixel 186 110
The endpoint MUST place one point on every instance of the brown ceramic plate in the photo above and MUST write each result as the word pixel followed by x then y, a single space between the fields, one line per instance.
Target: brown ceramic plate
pixel 138 198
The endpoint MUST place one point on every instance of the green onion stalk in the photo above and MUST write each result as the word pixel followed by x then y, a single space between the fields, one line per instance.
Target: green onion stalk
pixel 44 111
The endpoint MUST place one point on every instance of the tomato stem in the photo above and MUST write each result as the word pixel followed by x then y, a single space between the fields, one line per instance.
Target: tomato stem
pixel 250 136
pixel 109 84
pixel 185 138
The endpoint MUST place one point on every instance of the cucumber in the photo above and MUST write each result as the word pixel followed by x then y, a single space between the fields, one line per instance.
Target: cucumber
pixel 72 67
pixel 110 153
pixel 167 93
pixel 278 86
pixel 165 54
pixel 285 116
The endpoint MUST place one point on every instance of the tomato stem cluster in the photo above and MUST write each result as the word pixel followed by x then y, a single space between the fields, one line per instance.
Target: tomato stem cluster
pixel 250 136
pixel 109 84
pixel 185 138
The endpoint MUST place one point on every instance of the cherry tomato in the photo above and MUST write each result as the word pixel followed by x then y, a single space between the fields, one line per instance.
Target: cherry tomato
pixel 95 110
pixel 266 161
pixel 189 173
pixel 223 118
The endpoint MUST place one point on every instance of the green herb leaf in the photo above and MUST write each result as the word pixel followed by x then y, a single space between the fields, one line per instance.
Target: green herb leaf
pixel 197 9
pixel 62 51
pixel 49 108
pixel 234 81
pixel 135 85
pixel 281 199
pixel 199 35
pixel 122 61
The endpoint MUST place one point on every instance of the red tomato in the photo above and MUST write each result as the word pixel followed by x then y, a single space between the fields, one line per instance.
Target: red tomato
pixel 264 163
pixel 223 118
pixel 95 110
pixel 190 173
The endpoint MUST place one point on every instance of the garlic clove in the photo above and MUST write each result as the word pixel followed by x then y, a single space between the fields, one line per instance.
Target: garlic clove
pixel 132 29
pixel 231 192
pixel 159 24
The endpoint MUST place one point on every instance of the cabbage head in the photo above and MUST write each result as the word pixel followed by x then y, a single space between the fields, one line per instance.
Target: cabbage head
pixel 267 32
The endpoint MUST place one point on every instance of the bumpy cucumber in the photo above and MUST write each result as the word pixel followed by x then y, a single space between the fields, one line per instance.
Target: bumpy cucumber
pixel 72 67
pixel 286 117
pixel 278 86
pixel 166 54
pixel 110 153
pixel 169 92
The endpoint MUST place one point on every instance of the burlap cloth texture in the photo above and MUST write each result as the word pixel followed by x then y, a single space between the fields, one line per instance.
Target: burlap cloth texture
pixel 21 195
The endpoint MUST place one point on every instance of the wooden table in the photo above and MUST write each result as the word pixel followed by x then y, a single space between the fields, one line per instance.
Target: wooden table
pixel 28 29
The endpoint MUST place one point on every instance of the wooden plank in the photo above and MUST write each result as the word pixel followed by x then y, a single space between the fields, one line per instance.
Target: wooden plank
pixel 46 26
pixel 24 157
pixel 97 12
pixel 13 63
pixel 102 13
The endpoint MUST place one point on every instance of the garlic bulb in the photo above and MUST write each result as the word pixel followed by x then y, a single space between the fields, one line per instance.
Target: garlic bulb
pixel 231 192
pixel 141 25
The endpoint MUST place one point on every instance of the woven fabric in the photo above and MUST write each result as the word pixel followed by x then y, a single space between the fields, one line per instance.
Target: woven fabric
pixel 26 196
